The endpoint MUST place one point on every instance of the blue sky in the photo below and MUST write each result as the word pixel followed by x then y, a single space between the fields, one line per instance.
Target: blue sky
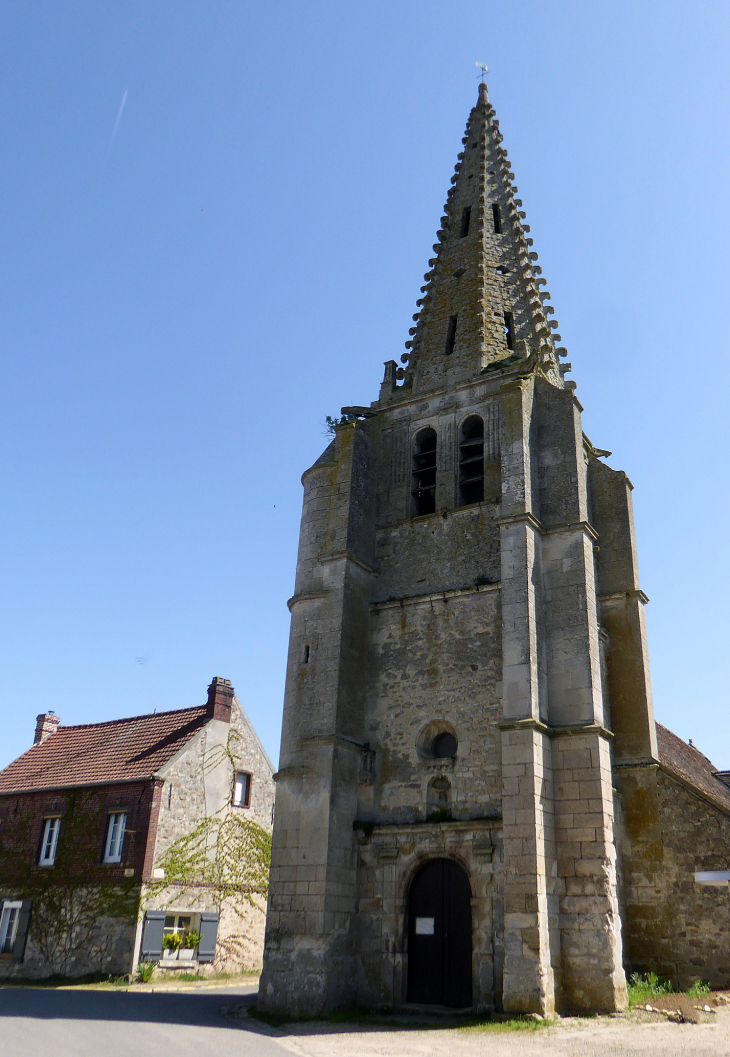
pixel 182 307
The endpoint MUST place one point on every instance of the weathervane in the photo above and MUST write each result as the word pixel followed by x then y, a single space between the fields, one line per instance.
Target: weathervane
pixel 483 68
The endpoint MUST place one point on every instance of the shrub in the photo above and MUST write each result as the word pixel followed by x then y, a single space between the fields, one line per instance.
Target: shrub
pixel 642 988
pixel 145 971
pixel 698 988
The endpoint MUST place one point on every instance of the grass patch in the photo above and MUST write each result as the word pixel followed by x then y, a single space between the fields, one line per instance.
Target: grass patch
pixel 698 989
pixel 642 988
pixel 511 1024
pixel 489 1023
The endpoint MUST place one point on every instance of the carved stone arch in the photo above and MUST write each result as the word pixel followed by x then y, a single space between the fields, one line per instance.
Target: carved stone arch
pixel 440 941
pixel 427 739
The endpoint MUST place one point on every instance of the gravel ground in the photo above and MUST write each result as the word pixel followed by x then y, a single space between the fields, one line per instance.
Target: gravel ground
pixel 646 1034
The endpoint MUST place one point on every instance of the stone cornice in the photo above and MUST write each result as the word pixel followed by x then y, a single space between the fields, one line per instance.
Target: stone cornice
pixel 346 555
pixel 523 518
pixel 575 526
pixel 528 723
pixel 621 596
pixel 335 739
pixel 292 772
pixel 306 596
pixel 408 829
pixel 437 596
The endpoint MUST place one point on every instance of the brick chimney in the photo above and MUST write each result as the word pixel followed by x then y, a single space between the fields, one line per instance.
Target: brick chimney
pixel 45 725
pixel 220 699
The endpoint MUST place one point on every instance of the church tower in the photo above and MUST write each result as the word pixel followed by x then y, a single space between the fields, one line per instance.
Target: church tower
pixel 467 660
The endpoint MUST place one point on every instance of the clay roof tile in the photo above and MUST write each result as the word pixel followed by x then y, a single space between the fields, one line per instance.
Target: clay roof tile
pixel 117 751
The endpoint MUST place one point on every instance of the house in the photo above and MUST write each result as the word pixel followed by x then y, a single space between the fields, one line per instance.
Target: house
pixel 94 821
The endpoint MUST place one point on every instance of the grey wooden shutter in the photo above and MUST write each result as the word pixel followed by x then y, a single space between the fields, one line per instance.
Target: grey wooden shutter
pixel 21 934
pixel 208 936
pixel 154 923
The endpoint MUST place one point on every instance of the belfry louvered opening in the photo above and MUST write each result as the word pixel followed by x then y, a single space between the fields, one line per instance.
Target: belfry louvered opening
pixel 471 461
pixel 423 479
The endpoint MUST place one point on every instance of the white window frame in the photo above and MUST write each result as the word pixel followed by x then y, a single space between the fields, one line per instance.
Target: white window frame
pixel 9 924
pixel 49 842
pixel 178 915
pixel 240 787
pixel 115 831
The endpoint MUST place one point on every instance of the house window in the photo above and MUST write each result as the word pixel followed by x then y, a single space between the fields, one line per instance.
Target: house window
pixel 49 842
pixel 116 826
pixel 9 926
pixel 242 789
pixel 423 477
pixel 176 924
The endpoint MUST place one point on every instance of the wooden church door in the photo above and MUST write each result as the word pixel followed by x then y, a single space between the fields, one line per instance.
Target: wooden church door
pixel 439 936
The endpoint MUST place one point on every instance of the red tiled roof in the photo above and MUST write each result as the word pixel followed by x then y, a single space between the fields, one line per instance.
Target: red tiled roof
pixel 118 751
pixel 689 765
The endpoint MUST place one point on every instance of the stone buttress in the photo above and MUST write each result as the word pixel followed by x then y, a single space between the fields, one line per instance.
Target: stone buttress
pixel 462 547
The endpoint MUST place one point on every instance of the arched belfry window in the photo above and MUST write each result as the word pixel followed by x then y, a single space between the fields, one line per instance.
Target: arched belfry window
pixel 471 461
pixel 423 479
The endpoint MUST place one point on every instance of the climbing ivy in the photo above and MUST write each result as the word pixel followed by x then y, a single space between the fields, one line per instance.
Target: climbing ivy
pixel 71 909
pixel 226 858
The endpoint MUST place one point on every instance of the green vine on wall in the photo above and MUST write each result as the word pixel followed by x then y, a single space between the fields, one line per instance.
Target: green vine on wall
pixel 226 858
pixel 71 911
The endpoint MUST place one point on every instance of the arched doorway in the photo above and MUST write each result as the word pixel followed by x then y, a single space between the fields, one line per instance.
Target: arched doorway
pixel 439 935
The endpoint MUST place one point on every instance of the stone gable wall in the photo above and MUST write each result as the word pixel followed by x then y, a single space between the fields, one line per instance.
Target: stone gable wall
pixel 672 925
pixel 194 790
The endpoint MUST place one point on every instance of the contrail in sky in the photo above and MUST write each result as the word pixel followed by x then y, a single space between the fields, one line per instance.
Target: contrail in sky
pixel 116 123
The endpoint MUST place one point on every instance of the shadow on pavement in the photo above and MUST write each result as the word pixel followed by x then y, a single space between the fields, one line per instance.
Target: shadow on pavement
pixel 202 1008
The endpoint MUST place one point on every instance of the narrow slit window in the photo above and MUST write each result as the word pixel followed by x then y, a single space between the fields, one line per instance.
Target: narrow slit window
pixel 451 335
pixel 305 655
pixel 509 330
pixel 497 218
pixel 465 221
pixel 423 477
pixel 471 461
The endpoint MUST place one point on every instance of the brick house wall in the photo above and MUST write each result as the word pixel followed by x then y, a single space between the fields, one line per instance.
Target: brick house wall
pixel 79 865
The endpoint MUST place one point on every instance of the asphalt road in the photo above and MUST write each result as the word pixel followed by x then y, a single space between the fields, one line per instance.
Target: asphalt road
pixel 61 1023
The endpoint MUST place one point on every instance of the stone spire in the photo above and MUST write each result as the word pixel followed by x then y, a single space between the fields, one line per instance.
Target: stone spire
pixel 482 308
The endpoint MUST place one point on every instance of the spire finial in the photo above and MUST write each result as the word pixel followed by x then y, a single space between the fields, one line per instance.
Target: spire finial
pixel 484 68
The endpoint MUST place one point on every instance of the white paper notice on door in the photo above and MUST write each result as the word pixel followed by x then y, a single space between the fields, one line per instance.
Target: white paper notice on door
pixel 425 926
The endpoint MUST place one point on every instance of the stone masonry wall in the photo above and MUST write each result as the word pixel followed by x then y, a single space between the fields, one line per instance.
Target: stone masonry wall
pixel 673 926
pixel 434 660
pixel 197 787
